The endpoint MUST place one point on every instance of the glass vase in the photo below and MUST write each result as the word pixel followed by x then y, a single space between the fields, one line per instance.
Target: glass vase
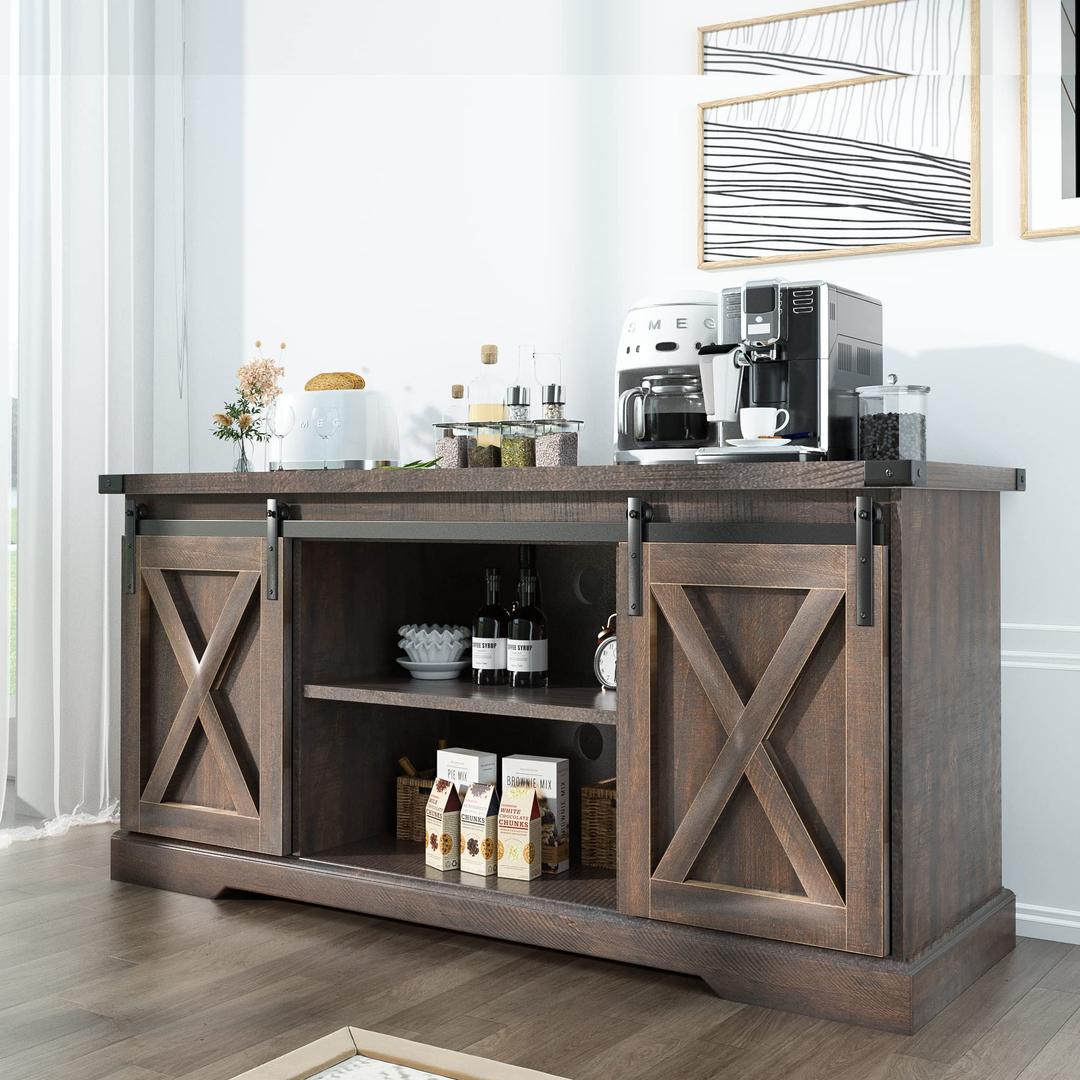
pixel 242 462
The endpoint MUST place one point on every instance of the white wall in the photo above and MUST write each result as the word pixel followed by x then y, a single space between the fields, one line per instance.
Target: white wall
pixel 392 185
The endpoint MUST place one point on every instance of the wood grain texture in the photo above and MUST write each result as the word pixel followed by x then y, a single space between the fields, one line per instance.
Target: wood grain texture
pixel 866 780
pixel 945 648
pixel 747 733
pixel 628 479
pixel 572 704
pixel 205 668
pixel 758 566
pixel 728 705
pixel 202 675
pixel 107 981
pixel 820 982
pixel 635 834
pixel 816 725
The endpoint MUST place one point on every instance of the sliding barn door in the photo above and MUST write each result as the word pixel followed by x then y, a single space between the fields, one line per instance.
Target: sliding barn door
pixel 755 710
pixel 203 727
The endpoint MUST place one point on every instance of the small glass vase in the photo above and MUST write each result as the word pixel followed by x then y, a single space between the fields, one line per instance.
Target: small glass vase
pixel 242 461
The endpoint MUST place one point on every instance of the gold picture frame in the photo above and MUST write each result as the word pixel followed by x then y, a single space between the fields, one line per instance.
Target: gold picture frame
pixel 1026 231
pixel 973 236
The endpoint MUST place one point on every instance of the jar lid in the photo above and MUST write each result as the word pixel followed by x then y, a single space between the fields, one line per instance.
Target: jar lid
pixel 489 354
pixel 553 394
pixel 892 387
pixel 518 395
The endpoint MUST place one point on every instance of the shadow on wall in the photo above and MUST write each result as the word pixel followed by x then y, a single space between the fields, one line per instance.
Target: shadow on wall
pixel 996 405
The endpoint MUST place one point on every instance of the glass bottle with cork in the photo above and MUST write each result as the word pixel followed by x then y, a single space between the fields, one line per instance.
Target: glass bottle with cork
pixel 487 411
pixel 451 434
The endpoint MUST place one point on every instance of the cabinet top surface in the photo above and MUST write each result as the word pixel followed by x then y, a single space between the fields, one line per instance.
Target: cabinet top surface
pixel 632 479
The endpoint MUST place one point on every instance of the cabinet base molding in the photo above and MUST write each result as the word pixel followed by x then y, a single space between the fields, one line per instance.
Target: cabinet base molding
pixel 884 993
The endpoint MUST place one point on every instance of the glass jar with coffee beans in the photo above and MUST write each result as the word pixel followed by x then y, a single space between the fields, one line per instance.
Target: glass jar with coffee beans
pixel 892 421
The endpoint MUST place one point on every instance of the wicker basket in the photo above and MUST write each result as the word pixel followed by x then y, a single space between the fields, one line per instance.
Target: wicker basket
pixel 412 797
pixel 598 825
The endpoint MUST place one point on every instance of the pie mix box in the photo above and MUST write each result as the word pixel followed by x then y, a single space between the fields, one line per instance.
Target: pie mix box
pixel 443 819
pixel 480 830
pixel 519 834
pixel 551 778
pixel 466 767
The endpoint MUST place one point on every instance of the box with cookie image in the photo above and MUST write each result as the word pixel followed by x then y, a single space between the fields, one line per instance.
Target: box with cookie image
pixel 550 776
pixel 480 830
pixel 443 821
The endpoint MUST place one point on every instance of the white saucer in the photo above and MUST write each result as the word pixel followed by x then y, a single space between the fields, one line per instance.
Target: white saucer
pixel 446 669
pixel 758 444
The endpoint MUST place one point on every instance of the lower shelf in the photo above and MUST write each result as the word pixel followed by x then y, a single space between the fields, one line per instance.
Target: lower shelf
pixel 405 859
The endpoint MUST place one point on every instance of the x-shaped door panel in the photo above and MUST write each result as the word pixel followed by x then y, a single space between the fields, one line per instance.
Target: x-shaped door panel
pixel 744 752
pixel 203 676
pixel 779 831
pixel 203 727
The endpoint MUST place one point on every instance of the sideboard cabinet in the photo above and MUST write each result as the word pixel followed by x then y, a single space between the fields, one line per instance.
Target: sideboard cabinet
pixel 805 738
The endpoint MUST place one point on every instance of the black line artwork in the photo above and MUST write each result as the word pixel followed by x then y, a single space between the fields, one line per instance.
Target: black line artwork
pixel 1070 135
pixel 873 148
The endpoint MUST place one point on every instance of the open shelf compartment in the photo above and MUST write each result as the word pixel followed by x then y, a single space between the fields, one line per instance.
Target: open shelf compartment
pixel 356 715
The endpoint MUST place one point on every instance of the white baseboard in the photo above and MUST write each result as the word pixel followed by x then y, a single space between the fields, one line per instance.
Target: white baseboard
pixel 1051 924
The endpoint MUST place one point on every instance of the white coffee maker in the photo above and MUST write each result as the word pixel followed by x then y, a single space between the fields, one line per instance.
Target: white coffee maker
pixel 661 414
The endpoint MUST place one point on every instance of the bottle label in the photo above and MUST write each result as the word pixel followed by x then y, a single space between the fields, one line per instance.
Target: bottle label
pixel 526 655
pixel 489 653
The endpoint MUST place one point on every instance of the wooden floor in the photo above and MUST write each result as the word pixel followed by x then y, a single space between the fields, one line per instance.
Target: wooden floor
pixel 105 980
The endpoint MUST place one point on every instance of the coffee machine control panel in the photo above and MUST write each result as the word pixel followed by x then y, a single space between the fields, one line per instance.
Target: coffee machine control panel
pixel 761 313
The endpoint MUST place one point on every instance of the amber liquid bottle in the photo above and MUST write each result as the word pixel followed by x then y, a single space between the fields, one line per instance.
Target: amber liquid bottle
pixel 489 635
pixel 527 640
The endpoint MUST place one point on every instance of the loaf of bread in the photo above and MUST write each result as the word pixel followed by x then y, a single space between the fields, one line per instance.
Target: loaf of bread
pixel 335 380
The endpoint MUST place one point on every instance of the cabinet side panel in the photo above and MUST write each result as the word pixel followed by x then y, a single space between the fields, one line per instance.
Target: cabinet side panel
pixel 946 739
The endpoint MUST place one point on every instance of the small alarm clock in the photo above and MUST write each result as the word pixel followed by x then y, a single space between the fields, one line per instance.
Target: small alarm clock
pixel 604 659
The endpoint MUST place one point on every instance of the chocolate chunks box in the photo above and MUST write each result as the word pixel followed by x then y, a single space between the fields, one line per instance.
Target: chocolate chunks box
pixel 467 767
pixel 551 778
pixel 519 834
pixel 443 820
pixel 480 830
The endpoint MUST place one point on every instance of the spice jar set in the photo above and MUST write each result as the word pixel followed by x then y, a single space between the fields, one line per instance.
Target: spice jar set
pixel 497 428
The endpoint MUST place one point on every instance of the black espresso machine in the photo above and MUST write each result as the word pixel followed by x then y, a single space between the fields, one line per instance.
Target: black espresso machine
pixel 803 346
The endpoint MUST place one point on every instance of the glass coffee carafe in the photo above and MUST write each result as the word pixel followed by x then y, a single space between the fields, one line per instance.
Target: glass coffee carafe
pixel 665 410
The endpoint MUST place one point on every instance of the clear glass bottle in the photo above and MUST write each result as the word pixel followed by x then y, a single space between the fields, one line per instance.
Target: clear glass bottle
pixel 487 408
pixel 451 435
pixel 489 635
pixel 527 639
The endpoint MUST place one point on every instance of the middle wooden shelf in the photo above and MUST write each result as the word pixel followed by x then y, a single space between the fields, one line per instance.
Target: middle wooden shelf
pixel 573 704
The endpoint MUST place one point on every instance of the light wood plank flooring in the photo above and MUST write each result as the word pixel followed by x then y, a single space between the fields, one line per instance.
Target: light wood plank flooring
pixel 105 980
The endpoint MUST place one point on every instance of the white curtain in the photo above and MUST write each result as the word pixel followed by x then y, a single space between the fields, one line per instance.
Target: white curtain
pixel 83 170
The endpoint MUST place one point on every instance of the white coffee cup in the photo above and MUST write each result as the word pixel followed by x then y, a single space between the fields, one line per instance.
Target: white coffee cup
pixel 759 423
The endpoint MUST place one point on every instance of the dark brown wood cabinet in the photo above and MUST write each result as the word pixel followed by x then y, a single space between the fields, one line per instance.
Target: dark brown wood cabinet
pixel 756 745
pixel 205 684
pixel 805 738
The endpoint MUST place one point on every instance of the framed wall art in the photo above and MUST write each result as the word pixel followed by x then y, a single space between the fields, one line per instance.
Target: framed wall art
pixel 1049 146
pixel 846 130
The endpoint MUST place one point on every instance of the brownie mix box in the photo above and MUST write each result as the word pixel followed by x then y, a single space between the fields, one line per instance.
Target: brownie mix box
pixel 551 778
pixel 480 830
pixel 467 767
pixel 519 834
pixel 443 819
